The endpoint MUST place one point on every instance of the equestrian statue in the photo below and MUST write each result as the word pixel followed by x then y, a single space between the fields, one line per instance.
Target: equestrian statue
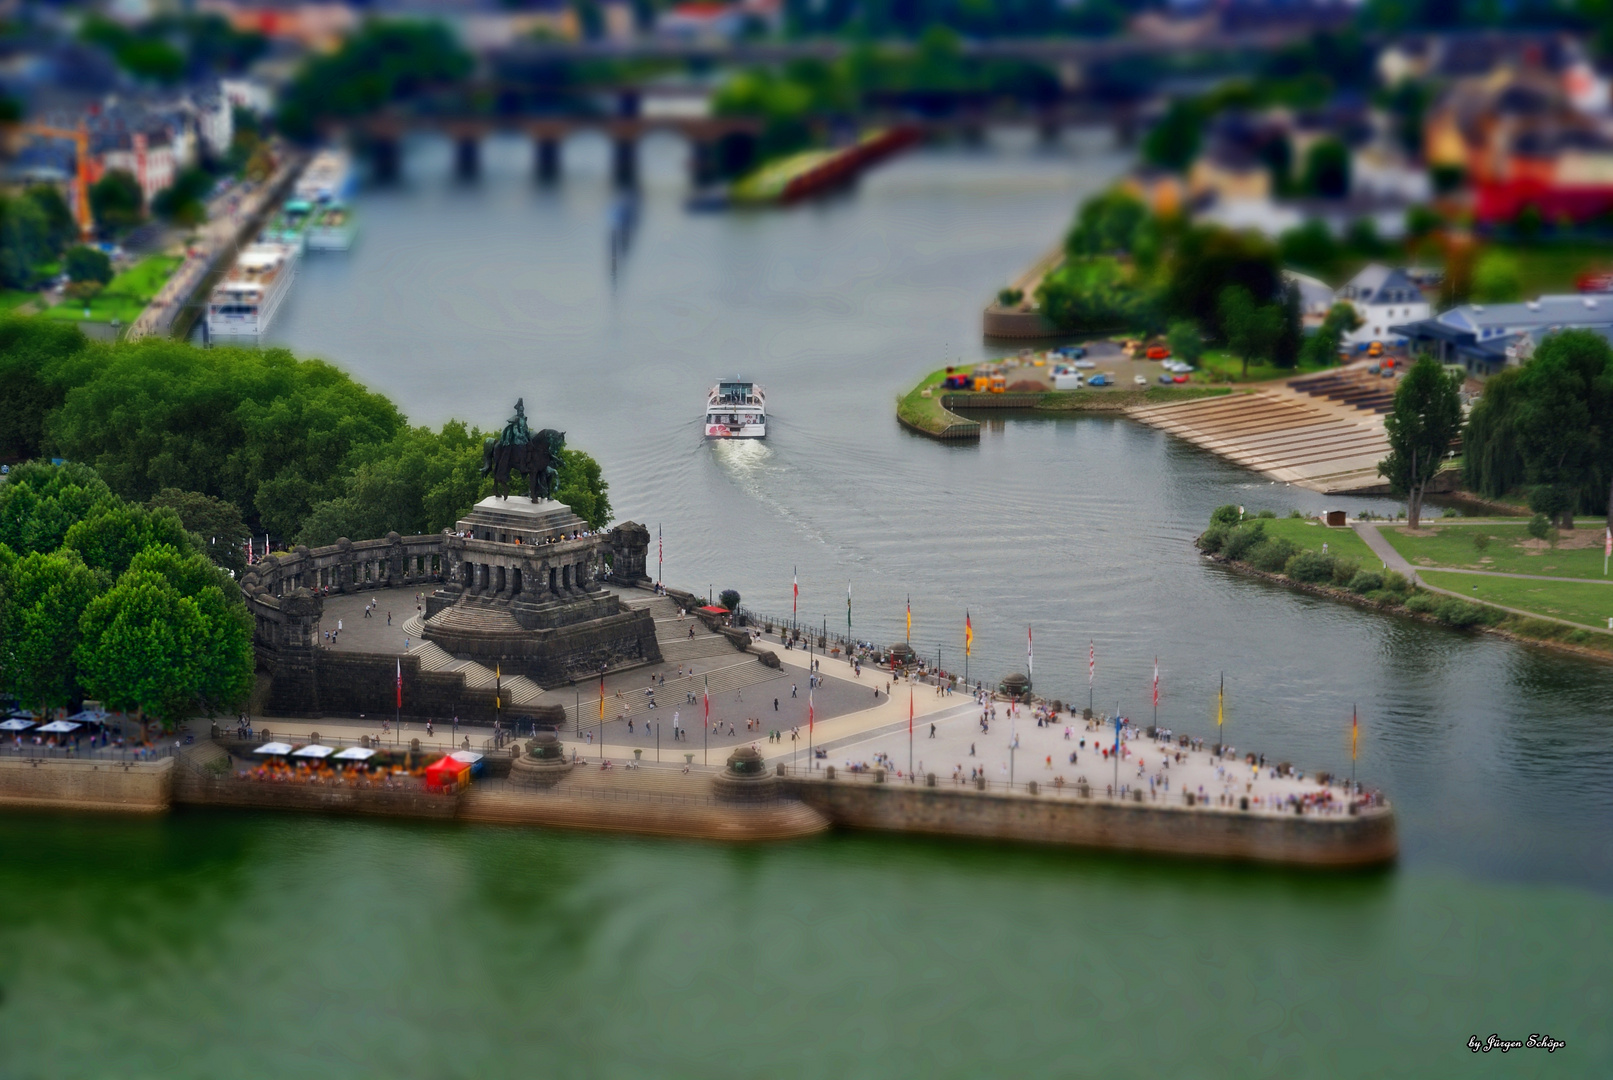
pixel 516 449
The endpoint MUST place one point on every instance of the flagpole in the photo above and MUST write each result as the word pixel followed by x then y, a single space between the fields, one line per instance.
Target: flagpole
pixel 1092 667
pixel 1355 738
pixel 910 728
pixel 1156 692
pixel 705 734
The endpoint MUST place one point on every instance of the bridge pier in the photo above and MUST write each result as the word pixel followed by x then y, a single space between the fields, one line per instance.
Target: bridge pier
pixel 467 158
pixel 705 163
pixel 547 159
pixel 624 162
pixel 385 159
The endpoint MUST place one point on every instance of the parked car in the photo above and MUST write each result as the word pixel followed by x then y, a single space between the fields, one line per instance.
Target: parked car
pixel 1140 380
pixel 1159 352
pixel 1085 364
pixel 1179 378
pixel 1375 349
pixel 959 381
pixel 1374 369
pixel 1165 378
pixel 1074 352
pixel 1100 379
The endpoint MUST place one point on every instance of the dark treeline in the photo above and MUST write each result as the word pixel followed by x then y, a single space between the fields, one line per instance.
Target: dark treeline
pixel 1547 427
pixel 300 449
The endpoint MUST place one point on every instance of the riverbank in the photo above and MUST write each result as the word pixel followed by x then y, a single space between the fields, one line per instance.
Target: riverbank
pixel 812 171
pixel 929 410
pixel 1335 563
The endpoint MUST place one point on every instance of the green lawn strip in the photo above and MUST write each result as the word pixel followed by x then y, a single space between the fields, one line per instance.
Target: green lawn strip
pixel 1119 397
pixel 927 414
pixel 1553 267
pixel 1588 604
pixel 1452 545
pixel 11 299
pixel 126 296
pixel 1224 366
pixel 1311 534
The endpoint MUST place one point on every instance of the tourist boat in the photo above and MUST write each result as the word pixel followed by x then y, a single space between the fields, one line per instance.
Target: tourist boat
pixel 332 228
pixel 736 410
pixel 328 178
pixel 245 302
pixel 290 226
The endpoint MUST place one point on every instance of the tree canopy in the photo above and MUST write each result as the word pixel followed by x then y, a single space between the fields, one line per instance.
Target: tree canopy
pixel 385 62
pixel 1425 420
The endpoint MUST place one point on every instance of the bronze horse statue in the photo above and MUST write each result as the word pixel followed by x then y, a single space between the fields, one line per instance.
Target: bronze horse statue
pixel 517 450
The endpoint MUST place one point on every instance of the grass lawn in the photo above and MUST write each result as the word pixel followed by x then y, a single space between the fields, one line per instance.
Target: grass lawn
pixel 11 299
pixel 1220 365
pixel 1588 604
pixel 1312 534
pixel 1510 549
pixel 126 296
pixel 1552 268
pixel 926 413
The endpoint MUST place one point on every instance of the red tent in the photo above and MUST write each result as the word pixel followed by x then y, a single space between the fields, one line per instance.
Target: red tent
pixel 714 609
pixel 446 770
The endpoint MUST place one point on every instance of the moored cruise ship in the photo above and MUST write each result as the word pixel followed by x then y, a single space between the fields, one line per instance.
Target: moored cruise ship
pixel 332 228
pixel 327 178
pixel 736 410
pixel 244 303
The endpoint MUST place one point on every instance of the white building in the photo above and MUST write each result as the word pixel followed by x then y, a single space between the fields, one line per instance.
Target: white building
pixel 1383 297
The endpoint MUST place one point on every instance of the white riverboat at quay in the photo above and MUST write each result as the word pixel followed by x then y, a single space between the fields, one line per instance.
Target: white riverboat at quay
pixel 244 303
pixel 736 409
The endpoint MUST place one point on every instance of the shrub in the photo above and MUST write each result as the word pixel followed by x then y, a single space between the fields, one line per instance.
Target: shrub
pixel 88 264
pixel 1385 598
pixel 1540 526
pixel 1395 581
pixel 1421 603
pixel 1241 539
pixel 1366 581
pixel 1481 542
pixel 729 598
pixel 1458 613
pixel 1010 297
pixel 1226 515
pixel 1272 554
pixel 1578 637
pixel 1344 571
pixel 1213 538
pixel 1295 515
pixel 1267 514
pixel 1310 566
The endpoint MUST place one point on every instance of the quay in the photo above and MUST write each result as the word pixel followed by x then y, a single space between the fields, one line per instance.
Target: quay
pixel 170 311
pixel 1047 784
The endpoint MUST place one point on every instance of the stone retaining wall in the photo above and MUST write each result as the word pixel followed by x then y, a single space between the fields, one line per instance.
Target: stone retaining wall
pixel 196 790
pixel 1317 841
pixel 141 787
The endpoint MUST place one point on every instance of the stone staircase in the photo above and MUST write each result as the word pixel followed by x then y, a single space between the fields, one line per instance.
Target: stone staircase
pixel 521 690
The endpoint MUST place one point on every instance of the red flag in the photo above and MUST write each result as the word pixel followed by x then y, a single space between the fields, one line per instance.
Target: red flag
pixel 795 590
pixel 707 694
pixel 1156 682
pixel 602 697
pixel 1029 659
pixel 400 684
pixel 1092 661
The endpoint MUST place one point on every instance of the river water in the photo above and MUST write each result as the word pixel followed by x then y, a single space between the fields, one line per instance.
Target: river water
pixel 252 945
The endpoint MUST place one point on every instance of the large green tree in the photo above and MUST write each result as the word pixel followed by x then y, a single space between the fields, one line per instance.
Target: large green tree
pixel 1564 420
pixel 40 502
pixel 114 532
pixel 214 522
pixel 1425 420
pixel 143 648
pixel 383 63
pixel 45 596
pixel 225 662
pixel 117 201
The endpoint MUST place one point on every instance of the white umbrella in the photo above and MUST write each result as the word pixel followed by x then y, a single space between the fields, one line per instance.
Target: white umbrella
pixel 16 724
pixel 59 727
pixel 355 753
pixel 313 750
pixel 469 757
pixel 274 749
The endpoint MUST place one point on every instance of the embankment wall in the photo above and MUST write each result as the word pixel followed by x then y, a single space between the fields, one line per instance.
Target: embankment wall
pixel 141 787
pixel 1318 841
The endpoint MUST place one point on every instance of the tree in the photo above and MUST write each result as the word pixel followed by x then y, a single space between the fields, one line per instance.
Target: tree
pixel 582 487
pixel 40 502
pixel 1426 417
pixel 112 534
pixel 215 523
pixel 46 595
pixel 1564 420
pixel 1252 330
pixel 729 598
pixel 1185 341
pixel 117 201
pixel 88 264
pixel 1106 225
pixel 1310 246
pixel 61 227
pixel 384 62
pixel 143 648
pixel 31 353
pixel 1496 279
pixel 226 662
pixel 1207 260
pixel 1327 169
pixel 1321 349
pixel 1173 143
pixel 24 242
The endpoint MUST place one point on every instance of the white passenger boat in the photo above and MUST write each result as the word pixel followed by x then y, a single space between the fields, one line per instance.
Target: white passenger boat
pixel 244 303
pixel 736 410
pixel 332 228
pixel 328 178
